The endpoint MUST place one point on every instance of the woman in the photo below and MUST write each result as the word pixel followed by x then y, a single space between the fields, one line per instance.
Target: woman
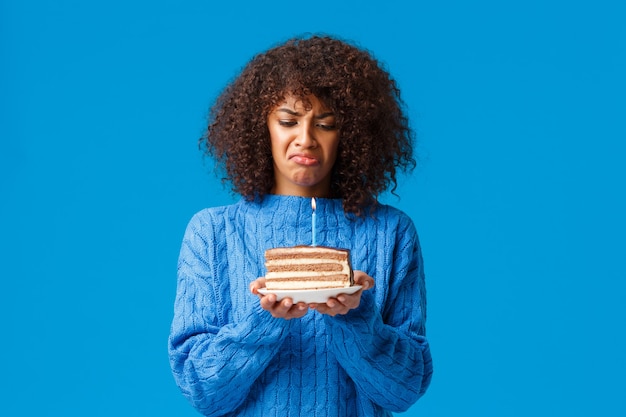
pixel 314 117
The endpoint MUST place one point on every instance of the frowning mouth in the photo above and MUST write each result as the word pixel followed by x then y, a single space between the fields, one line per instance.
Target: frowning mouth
pixel 304 159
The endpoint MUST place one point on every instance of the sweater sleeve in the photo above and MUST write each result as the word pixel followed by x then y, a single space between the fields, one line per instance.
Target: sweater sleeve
pixel 385 352
pixel 215 362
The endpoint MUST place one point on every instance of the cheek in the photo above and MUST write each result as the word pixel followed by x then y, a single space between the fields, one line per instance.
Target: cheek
pixel 275 142
pixel 333 151
pixel 279 135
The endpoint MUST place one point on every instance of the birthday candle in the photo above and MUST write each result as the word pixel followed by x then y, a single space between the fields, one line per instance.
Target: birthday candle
pixel 313 223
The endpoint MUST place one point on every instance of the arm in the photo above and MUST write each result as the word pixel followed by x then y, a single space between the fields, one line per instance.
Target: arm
pixel 385 352
pixel 215 362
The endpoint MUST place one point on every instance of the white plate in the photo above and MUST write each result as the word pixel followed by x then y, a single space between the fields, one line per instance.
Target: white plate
pixel 311 296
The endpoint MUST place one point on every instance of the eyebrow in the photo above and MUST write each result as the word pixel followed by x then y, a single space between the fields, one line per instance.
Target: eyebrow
pixel 295 113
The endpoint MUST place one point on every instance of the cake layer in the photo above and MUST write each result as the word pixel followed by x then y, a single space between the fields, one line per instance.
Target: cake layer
pixel 339 278
pixel 307 251
pixel 305 285
pixel 291 254
pixel 317 267
pixel 301 260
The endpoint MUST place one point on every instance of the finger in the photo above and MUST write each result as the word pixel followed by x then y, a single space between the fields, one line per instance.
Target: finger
pixel 268 301
pixel 344 300
pixel 332 307
pixel 257 284
pixel 287 310
pixel 361 278
pixel 281 308
pixel 297 311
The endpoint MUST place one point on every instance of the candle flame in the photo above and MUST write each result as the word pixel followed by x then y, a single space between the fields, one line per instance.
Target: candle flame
pixel 313 206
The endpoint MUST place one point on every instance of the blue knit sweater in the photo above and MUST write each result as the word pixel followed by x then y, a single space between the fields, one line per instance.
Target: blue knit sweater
pixel 232 358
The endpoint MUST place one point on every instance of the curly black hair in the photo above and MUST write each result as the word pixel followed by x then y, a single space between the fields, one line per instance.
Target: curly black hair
pixel 375 138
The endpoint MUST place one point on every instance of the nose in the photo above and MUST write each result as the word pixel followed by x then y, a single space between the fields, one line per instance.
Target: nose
pixel 306 136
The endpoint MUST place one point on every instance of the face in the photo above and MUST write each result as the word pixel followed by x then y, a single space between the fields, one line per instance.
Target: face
pixel 304 141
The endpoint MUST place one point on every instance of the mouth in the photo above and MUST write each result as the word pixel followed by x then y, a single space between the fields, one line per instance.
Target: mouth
pixel 304 159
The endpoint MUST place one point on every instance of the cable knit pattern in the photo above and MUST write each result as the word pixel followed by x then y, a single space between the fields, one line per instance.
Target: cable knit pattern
pixel 232 358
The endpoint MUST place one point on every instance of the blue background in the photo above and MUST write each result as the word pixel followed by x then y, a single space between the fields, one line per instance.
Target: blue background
pixel 519 196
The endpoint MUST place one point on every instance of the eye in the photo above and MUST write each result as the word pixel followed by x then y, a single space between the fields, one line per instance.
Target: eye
pixel 327 127
pixel 287 123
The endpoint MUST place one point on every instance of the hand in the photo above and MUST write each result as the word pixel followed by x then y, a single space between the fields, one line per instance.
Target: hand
pixel 344 302
pixel 285 309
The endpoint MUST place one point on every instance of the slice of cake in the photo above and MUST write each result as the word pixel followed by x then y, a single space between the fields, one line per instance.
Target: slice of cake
pixel 307 268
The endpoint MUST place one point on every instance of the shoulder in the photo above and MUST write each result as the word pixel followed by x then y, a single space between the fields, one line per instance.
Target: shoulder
pixel 208 219
pixel 217 218
pixel 392 218
pixel 395 225
pixel 219 214
pixel 387 211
